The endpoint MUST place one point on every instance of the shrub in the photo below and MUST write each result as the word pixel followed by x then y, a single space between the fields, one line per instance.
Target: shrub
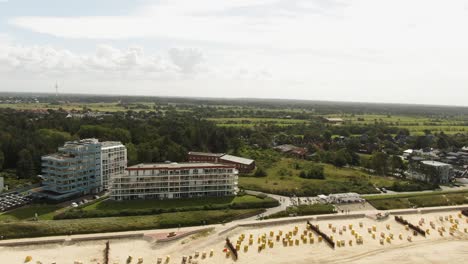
pixel 412 186
pixel 316 172
pixel 260 172
pixel 284 172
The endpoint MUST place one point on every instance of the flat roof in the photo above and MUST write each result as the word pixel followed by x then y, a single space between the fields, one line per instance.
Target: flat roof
pixel 206 154
pixel 237 159
pixel 285 147
pixel 334 119
pixel 58 156
pixel 435 163
pixel 176 166
pixel 85 141
pixel 344 194
pixel 108 144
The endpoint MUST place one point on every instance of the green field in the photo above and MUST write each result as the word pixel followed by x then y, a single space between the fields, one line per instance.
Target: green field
pixel 21 229
pixel 101 107
pixel 110 205
pixel 109 208
pixel 250 122
pixel 415 124
pixel 400 201
pixel 44 212
pixel 283 178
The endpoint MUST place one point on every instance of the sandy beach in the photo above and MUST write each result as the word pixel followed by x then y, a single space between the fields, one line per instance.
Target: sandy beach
pixel 436 247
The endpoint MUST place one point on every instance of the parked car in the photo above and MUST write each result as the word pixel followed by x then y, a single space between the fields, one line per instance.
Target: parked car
pixel 74 205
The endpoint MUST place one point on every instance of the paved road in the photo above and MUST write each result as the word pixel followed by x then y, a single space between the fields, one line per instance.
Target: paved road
pixel 288 201
pixel 284 203
pixel 442 188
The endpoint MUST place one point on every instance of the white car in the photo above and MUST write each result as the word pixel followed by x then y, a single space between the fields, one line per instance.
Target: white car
pixel 74 205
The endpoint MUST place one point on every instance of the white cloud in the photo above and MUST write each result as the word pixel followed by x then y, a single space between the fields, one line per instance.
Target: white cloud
pixel 315 49
pixel 186 59
pixel 106 62
pixel 288 24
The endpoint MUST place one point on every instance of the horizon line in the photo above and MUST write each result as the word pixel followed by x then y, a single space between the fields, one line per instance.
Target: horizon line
pixel 233 98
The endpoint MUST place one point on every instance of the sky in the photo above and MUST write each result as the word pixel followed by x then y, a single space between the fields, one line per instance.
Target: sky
pixel 392 51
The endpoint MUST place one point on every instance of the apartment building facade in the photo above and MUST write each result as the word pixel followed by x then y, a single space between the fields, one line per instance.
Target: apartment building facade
pixel 175 180
pixel 75 169
pixel 113 161
pixel 431 171
pixel 243 165
pixel 81 167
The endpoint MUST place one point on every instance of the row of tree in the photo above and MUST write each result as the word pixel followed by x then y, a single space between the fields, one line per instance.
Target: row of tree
pixel 156 137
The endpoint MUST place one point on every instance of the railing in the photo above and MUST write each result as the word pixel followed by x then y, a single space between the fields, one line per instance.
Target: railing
pixel 163 190
pixel 232 248
pixel 320 233
pixel 116 193
pixel 413 227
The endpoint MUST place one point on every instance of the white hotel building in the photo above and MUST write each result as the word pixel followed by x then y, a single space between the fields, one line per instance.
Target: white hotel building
pixel 113 161
pixel 175 180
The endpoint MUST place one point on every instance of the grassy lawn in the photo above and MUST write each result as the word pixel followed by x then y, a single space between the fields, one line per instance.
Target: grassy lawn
pixel 20 229
pixel 109 208
pixel 44 212
pixel 301 210
pixel 389 204
pixel 283 178
pixel 110 205
pixel 400 201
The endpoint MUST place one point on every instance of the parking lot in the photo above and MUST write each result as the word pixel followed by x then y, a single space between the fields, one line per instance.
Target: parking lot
pixel 13 200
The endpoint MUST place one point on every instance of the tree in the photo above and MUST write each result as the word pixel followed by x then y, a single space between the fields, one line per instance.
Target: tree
pixel 25 165
pixel 341 158
pixel 132 154
pixel 260 139
pixel 442 142
pixel 260 172
pixel 236 145
pixel 327 135
pixel 355 158
pixel 422 142
pixel 2 159
pixel 396 163
pixel 353 144
pixel 315 172
pixel 380 163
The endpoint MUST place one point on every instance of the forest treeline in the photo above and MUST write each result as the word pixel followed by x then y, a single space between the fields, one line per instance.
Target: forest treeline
pixel 318 107
pixel 151 137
